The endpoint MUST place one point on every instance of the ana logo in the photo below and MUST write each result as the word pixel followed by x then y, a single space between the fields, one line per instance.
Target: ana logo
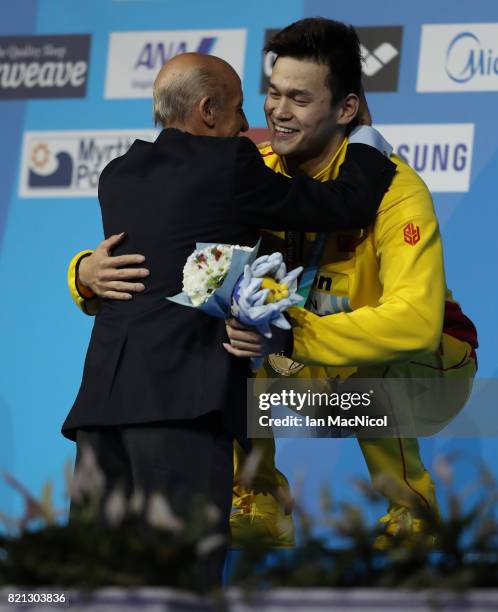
pixel 68 164
pixel 440 153
pixel 135 57
pixel 47 169
pixel 458 57
pixel 153 56
pixel 380 49
pixel 411 234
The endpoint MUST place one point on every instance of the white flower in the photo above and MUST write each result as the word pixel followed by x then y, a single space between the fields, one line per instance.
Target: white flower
pixel 206 269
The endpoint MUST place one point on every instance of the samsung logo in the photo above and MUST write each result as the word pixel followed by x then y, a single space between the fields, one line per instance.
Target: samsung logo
pixel 440 153
pixel 434 157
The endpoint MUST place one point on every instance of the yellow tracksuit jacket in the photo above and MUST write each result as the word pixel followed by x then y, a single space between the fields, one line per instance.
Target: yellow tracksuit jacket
pixel 378 307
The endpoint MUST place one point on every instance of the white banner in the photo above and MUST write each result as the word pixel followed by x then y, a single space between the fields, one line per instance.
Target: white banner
pixel 66 164
pixel 441 153
pixel 458 57
pixel 135 58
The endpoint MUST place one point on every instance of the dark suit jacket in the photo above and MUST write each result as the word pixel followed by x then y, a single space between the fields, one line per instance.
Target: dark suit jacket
pixel 151 360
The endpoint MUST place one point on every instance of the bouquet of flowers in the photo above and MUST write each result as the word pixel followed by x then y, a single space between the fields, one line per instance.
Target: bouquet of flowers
pixel 228 280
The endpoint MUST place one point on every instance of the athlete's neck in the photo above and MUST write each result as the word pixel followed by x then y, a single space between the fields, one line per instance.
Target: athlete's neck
pixel 298 165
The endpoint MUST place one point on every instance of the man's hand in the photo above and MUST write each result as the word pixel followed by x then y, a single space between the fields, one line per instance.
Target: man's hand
pixel 246 342
pixel 105 274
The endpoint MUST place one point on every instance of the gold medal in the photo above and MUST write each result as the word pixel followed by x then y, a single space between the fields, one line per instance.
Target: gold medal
pixel 284 365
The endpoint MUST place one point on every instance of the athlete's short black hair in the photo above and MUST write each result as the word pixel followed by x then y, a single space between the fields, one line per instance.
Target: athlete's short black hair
pixel 327 42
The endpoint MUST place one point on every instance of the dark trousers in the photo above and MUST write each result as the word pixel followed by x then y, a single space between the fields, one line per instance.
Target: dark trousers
pixel 190 462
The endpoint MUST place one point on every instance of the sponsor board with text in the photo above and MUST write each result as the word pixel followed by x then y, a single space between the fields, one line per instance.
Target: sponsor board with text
pixel 440 153
pixel 134 58
pixel 458 58
pixel 68 164
pixel 49 66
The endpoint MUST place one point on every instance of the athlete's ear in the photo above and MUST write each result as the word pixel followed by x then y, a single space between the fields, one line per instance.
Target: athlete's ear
pixel 207 111
pixel 348 109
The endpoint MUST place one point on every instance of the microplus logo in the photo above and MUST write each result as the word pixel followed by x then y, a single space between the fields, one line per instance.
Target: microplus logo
pixel 458 57
pixel 440 153
pixel 68 164
pixel 134 58
pixel 44 66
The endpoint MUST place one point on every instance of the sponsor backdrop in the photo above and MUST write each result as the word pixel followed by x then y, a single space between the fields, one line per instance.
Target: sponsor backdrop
pixel 75 86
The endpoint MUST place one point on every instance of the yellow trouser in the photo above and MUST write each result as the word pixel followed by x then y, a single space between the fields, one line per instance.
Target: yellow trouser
pixel 395 464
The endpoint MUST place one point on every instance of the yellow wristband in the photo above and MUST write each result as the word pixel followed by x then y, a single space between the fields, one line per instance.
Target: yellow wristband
pixel 79 293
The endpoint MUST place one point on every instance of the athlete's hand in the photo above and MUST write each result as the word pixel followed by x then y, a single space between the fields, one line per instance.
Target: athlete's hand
pixel 106 275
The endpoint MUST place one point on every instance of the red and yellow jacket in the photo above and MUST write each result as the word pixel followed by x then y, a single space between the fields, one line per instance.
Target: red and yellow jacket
pixel 380 294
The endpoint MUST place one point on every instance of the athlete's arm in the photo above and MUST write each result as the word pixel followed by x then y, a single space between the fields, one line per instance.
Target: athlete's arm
pixel 94 274
pixel 409 316
pixel 408 319
pixel 267 199
pixel 353 201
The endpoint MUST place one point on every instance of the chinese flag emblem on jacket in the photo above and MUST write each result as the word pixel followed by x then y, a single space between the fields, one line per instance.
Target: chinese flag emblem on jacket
pixel 411 233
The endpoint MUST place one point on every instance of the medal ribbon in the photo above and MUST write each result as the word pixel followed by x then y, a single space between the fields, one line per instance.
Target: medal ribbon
pixel 293 255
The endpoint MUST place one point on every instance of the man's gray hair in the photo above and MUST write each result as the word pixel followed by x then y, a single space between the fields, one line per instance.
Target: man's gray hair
pixel 174 100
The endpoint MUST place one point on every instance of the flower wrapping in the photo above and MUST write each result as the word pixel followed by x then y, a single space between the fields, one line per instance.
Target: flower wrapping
pixel 227 280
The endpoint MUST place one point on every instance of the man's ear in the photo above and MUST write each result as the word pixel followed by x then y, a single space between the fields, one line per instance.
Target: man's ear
pixel 207 111
pixel 348 109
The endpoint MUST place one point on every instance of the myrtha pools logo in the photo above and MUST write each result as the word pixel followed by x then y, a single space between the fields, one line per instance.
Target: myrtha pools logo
pixel 68 164
pixel 135 57
pixel 47 169
pixel 460 57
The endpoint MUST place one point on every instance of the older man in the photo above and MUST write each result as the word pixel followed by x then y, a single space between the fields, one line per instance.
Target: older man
pixel 161 401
